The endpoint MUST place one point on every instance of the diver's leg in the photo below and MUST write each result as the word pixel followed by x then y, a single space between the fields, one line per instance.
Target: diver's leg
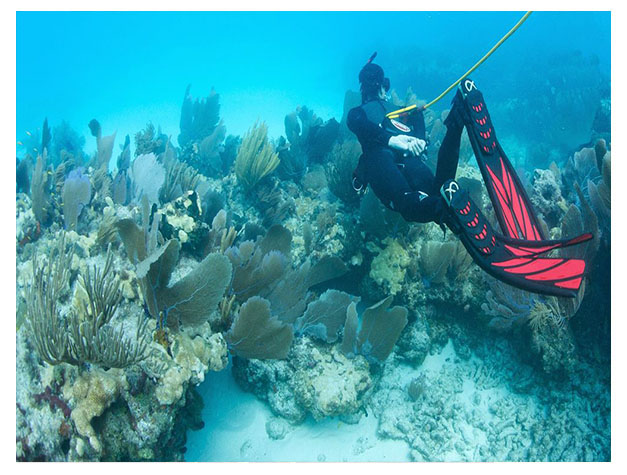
pixel 418 175
pixel 448 155
pixel 394 191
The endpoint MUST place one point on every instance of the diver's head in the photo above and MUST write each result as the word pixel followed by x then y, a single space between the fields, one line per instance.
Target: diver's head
pixel 374 84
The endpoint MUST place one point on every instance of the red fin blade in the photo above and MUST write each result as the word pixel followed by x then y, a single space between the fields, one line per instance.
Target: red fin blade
pixel 568 269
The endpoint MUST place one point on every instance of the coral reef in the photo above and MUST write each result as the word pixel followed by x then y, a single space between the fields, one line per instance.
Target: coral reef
pixel 257 334
pixel 343 160
pixel 203 135
pixel 133 283
pixel 388 268
pixel 104 145
pixel 375 335
pixel 309 140
pixel 76 194
pixel 546 196
pixel 462 410
pixel 314 380
pixel 66 141
pixel 148 141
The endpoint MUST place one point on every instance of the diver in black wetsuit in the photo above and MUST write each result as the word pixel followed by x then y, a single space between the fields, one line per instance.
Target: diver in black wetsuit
pixel 391 162
pixel 392 145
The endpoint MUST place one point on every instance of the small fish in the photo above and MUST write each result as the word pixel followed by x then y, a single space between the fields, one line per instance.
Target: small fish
pixel 19 142
pixel 29 134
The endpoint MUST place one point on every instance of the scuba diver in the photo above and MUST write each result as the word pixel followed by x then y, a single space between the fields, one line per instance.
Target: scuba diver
pixel 394 140
pixel 391 162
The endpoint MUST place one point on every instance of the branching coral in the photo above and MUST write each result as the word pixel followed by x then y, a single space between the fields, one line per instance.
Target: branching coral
pixel 93 337
pixel 50 282
pixel 273 203
pixel 148 141
pixel 179 178
pixel 86 334
pixel 256 157
pixel 202 135
pixel 198 117
pixel 102 292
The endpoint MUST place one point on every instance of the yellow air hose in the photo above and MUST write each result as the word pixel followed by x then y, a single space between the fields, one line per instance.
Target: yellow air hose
pixel 397 113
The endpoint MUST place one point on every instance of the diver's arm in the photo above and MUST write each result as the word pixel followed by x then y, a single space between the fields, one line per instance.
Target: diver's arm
pixel 367 132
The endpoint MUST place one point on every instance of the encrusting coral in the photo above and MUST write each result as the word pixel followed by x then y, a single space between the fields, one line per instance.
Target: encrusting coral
pixel 388 267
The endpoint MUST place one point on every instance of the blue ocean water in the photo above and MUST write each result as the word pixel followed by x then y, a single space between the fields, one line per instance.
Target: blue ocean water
pixel 548 90
pixel 128 68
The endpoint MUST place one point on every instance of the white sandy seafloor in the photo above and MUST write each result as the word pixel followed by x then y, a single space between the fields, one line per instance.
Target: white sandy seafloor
pixel 235 431
pixel 465 412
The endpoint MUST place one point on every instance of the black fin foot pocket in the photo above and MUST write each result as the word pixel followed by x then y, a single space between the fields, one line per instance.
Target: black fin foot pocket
pixel 477 116
pixel 468 219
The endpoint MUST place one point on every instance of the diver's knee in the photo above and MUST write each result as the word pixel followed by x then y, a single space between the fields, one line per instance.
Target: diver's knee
pixel 414 206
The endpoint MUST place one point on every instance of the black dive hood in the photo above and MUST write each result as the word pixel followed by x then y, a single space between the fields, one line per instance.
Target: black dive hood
pixel 372 76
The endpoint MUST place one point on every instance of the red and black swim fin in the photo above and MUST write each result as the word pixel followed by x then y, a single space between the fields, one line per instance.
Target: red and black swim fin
pixel 509 199
pixel 516 255
pixel 517 262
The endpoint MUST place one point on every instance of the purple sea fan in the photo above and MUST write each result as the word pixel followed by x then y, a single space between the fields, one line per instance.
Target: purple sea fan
pixel 76 194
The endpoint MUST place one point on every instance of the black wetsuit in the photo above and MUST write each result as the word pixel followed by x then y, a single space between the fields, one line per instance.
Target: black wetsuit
pixel 403 184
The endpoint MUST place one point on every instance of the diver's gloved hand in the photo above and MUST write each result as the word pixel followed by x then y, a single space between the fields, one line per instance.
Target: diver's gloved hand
pixel 405 143
pixel 417 146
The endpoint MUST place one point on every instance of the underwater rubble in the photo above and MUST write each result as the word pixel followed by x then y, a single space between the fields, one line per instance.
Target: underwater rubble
pixel 255 256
